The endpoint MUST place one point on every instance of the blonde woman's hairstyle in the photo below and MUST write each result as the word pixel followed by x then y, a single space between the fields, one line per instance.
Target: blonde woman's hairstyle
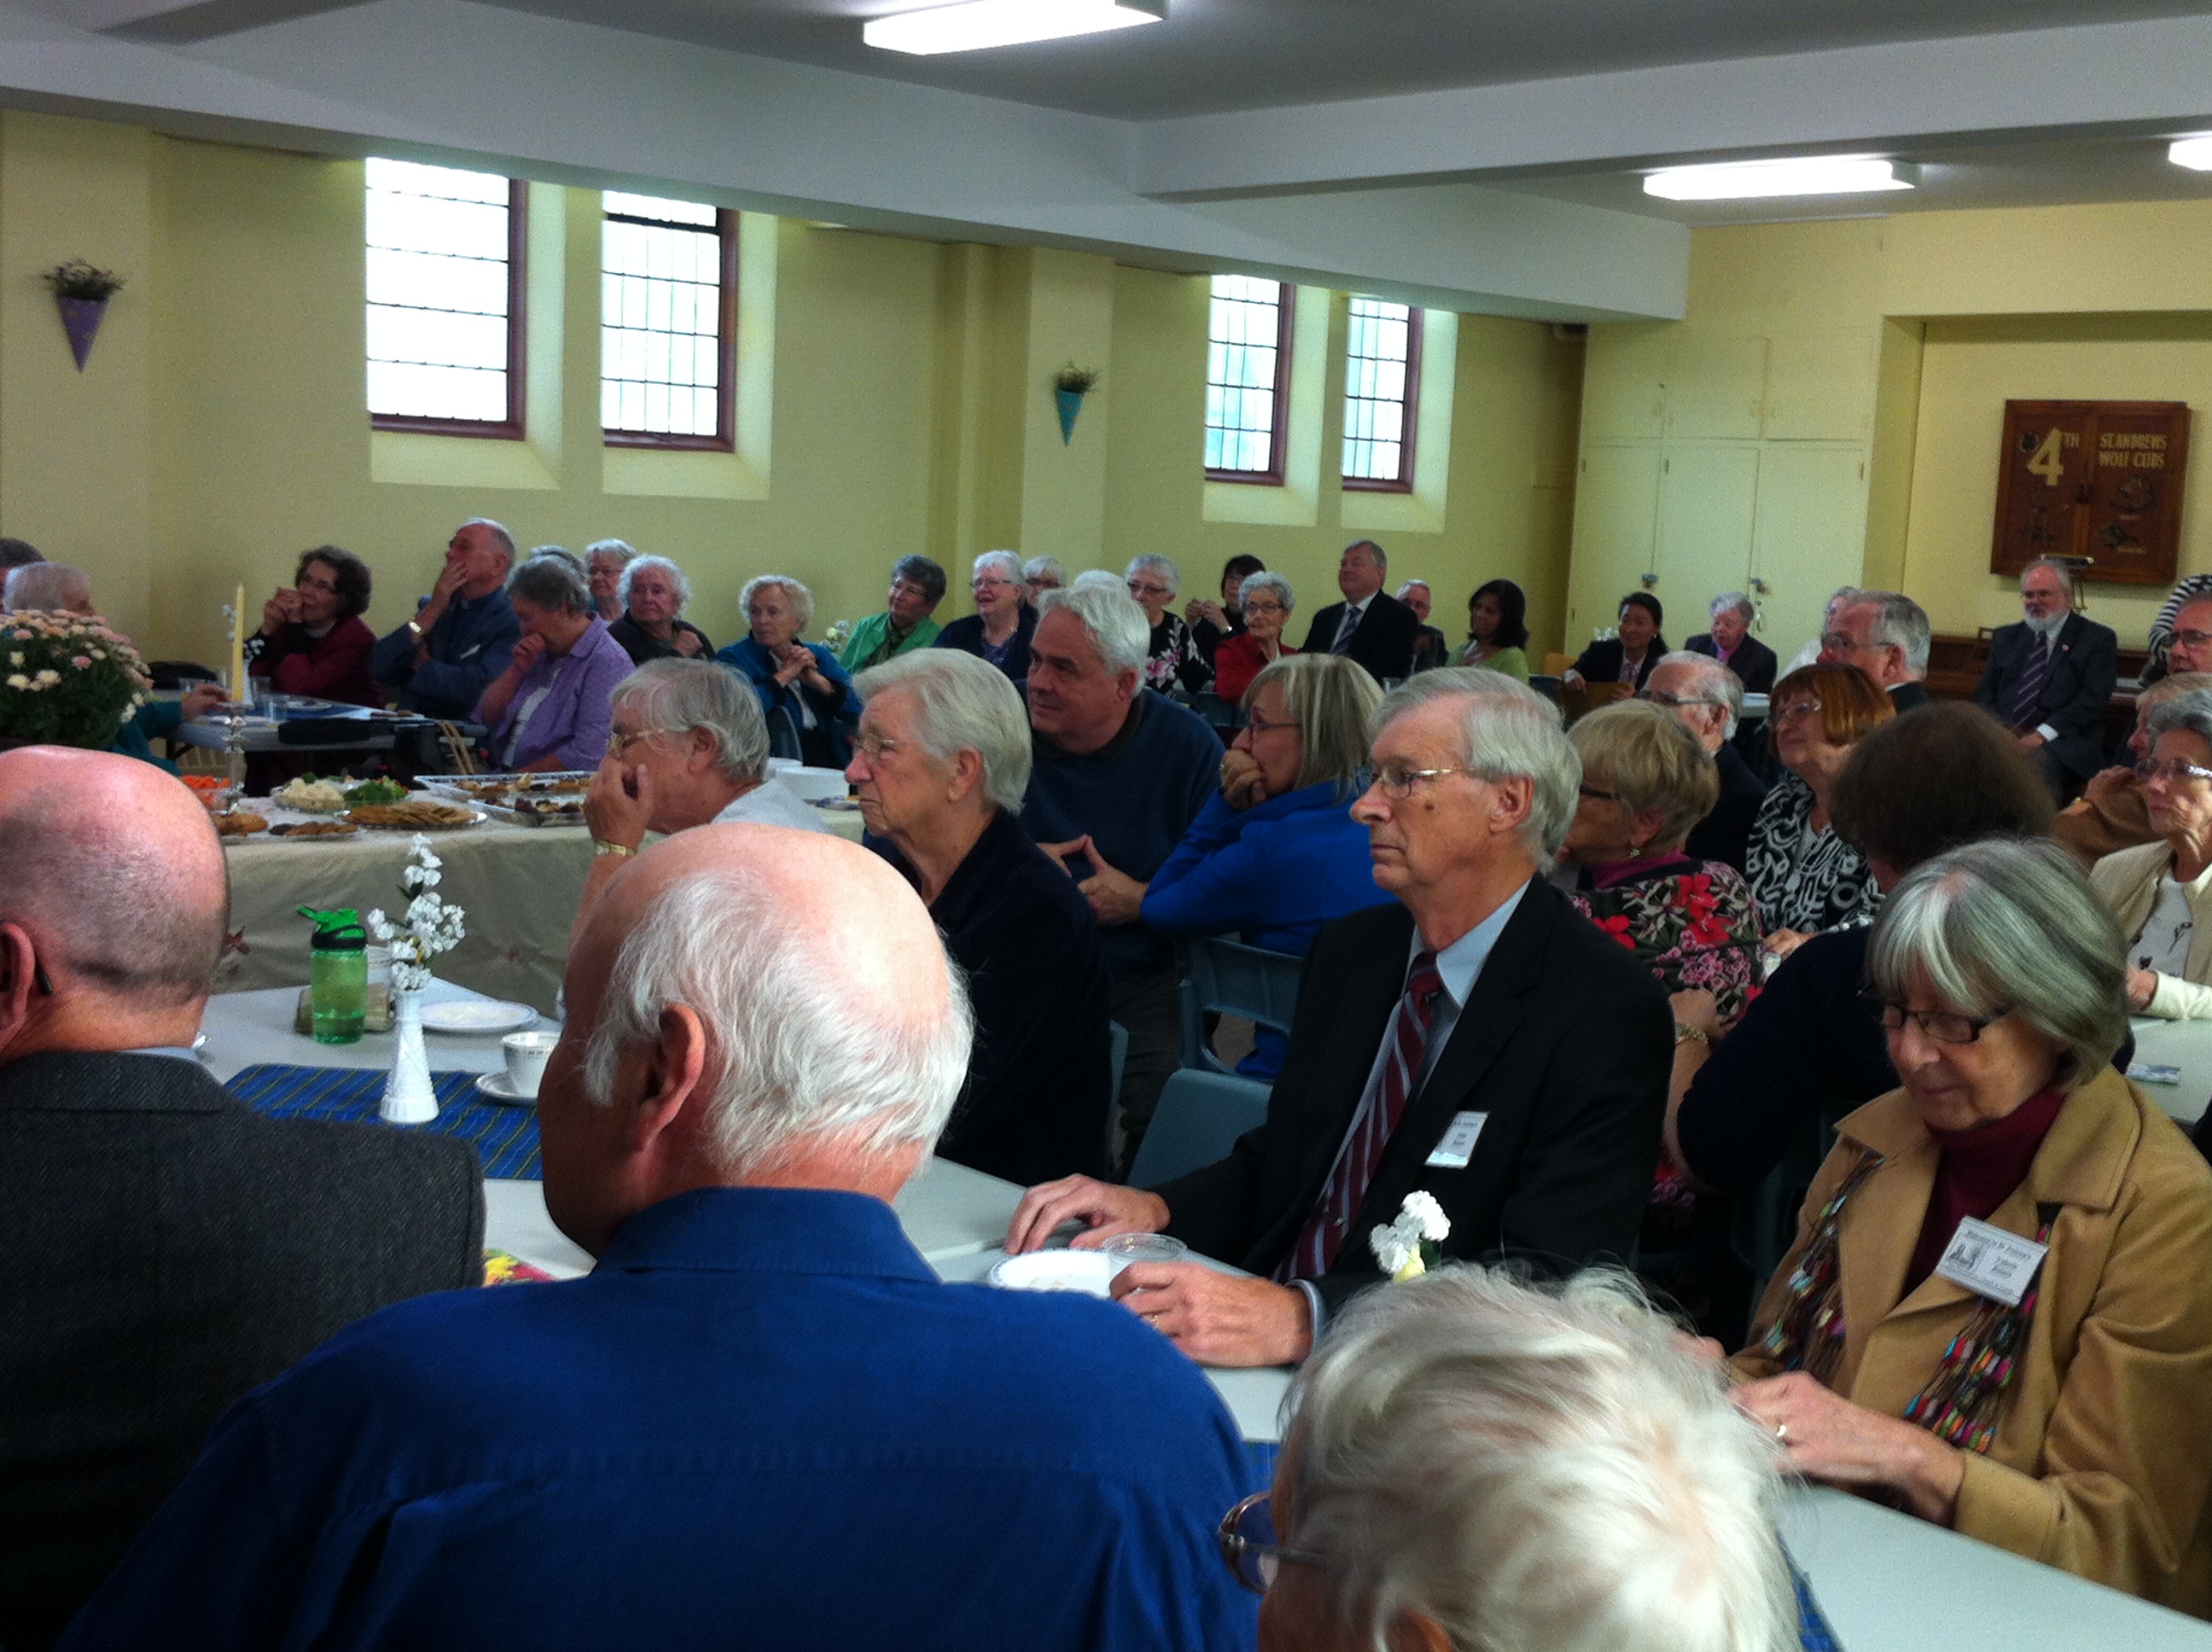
pixel 800 598
pixel 1330 698
pixel 1640 753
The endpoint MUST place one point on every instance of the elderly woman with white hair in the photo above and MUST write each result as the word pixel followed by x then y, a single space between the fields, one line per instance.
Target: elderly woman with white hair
pixel 651 596
pixel 1174 658
pixel 1041 574
pixel 2161 891
pixel 805 694
pixel 998 633
pixel 1264 602
pixel 605 561
pixel 940 767
pixel 1473 1463
pixel 1996 1314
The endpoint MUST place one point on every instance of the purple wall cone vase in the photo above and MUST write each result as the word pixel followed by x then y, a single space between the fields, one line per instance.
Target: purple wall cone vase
pixel 81 318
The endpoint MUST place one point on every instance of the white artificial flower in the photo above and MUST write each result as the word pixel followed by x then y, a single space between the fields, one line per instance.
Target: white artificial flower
pixel 16 658
pixel 19 681
pixel 1428 1216
pixel 1391 1251
pixel 49 676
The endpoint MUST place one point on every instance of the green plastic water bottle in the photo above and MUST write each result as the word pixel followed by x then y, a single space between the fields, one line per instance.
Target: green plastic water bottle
pixel 338 974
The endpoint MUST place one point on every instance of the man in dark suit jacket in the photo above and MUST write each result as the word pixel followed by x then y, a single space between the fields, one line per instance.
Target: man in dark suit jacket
pixel 167 1249
pixel 1382 629
pixel 2050 677
pixel 1886 634
pixel 1706 698
pixel 1732 643
pixel 1529 1107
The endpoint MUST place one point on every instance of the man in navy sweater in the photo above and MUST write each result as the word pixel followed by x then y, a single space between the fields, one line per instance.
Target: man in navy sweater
pixel 1120 772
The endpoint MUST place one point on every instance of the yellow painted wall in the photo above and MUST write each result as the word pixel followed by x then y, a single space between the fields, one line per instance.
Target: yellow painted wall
pixel 219 431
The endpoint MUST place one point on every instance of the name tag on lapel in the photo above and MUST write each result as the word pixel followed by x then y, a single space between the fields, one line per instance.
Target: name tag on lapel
pixel 1990 1262
pixel 1458 1145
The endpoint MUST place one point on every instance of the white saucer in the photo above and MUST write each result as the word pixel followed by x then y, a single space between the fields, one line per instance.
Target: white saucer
pixel 496 1086
pixel 475 1015
pixel 1089 1272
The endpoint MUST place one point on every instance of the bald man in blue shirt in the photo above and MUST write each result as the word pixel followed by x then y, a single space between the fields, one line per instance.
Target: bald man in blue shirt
pixel 762 1421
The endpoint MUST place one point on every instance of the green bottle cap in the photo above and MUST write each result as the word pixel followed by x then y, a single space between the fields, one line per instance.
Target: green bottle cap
pixel 339 929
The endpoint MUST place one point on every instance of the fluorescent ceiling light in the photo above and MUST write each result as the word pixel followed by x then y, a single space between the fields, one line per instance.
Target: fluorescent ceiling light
pixel 1746 180
pixel 2194 153
pixel 982 23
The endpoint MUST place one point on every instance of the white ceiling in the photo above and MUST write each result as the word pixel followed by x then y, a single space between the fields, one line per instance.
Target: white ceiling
pixel 1477 154
pixel 1216 56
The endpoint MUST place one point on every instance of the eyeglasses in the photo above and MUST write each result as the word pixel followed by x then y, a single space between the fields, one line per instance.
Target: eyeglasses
pixel 1944 1026
pixel 1399 782
pixel 1149 588
pixel 1004 585
pixel 1796 710
pixel 1277 608
pixel 1599 795
pixel 1661 697
pixel 2192 640
pixel 872 745
pixel 2173 771
pixel 1247 1537
pixel 618 743
pixel 1268 725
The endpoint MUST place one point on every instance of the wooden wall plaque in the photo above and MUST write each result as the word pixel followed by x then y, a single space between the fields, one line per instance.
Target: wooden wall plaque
pixel 2096 479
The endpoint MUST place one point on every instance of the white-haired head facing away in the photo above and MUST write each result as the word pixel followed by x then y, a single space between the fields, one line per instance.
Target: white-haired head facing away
pixel 1525 1468
pixel 50 588
pixel 778 999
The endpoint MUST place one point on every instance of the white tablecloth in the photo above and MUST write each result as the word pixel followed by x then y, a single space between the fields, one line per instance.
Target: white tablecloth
pixel 2183 1044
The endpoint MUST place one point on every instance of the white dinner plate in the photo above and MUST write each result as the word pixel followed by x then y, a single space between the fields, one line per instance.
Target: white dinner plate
pixel 498 1087
pixel 1086 1270
pixel 474 1015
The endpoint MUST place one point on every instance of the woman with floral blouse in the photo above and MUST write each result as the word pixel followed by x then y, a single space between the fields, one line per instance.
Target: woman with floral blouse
pixel 1646 782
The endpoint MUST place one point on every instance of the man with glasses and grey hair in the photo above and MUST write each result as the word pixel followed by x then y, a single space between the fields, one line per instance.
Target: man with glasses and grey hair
pixel 1886 634
pixel 1477 1041
pixel 686 744
pixel 1706 698
pixel 762 1420
pixel 1732 643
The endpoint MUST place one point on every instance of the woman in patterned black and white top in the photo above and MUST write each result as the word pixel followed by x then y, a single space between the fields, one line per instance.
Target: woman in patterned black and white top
pixel 1804 876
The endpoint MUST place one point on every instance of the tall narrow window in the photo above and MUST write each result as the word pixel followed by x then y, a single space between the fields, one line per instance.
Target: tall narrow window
pixel 1382 395
pixel 668 314
pixel 1248 379
pixel 444 301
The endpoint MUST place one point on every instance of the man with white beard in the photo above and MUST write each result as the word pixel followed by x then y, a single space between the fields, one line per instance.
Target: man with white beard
pixel 2050 677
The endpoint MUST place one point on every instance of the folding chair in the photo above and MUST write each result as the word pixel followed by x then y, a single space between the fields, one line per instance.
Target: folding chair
pixel 1228 978
pixel 1200 1117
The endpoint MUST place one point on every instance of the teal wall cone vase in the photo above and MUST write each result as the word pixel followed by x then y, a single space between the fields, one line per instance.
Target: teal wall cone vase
pixel 1071 404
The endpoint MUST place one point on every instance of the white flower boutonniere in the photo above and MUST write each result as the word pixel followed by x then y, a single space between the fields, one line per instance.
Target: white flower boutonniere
pixel 1413 1243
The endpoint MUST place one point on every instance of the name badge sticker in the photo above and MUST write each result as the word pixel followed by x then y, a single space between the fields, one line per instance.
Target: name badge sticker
pixel 1990 1262
pixel 1458 1145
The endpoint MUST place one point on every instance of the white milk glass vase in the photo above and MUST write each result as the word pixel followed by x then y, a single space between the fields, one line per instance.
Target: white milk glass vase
pixel 408 1096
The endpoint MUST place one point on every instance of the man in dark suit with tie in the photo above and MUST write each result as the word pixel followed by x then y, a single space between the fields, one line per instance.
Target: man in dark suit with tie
pixel 1732 643
pixel 2050 677
pixel 1370 625
pixel 1478 1041
pixel 166 1248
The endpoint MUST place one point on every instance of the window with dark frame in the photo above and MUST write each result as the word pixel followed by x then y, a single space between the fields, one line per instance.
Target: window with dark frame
pixel 445 340
pixel 668 320
pixel 1382 395
pixel 1248 379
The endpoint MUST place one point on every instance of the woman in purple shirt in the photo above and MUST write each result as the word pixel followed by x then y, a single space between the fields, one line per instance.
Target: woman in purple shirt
pixel 550 708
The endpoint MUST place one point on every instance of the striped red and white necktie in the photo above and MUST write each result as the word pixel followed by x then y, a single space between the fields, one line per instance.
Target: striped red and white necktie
pixel 1362 1153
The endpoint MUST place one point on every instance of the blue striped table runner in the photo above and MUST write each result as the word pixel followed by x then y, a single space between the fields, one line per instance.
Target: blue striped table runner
pixel 505 1138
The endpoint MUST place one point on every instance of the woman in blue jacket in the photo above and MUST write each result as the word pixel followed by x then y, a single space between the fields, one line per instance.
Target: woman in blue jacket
pixel 805 694
pixel 1276 854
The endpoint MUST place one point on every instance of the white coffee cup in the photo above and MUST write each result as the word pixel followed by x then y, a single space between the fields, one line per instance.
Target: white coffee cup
pixel 526 1055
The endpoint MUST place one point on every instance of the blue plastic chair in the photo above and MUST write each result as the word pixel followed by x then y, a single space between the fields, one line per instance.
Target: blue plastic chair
pixel 1200 1117
pixel 1228 978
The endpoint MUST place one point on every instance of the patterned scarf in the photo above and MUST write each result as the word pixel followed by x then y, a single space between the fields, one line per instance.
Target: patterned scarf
pixel 1960 1403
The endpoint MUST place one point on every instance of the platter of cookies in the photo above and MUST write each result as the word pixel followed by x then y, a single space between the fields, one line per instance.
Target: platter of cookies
pixel 416 815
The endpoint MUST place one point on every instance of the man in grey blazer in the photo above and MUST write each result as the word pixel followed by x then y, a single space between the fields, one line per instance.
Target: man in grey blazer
pixel 163 1249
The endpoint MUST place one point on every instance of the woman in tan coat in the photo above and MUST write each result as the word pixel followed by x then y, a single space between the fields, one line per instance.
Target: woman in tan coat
pixel 1998 1312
